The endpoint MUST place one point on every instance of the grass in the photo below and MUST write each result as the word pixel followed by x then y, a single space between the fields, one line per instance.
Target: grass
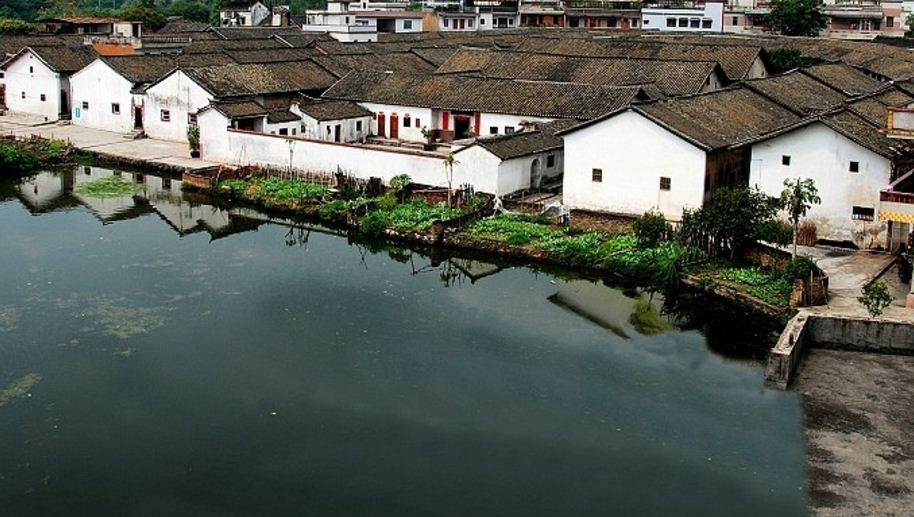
pixel 112 186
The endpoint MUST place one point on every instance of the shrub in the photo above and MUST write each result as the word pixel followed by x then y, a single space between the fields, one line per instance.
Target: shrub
pixel 400 181
pixel 650 228
pixel 374 224
pixel 807 234
pixel 276 189
pixel 386 202
pixel 775 232
pixel 14 159
pixel 801 268
pixel 876 297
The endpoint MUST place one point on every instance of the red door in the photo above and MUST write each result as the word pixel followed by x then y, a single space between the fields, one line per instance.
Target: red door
pixel 394 126
pixel 382 125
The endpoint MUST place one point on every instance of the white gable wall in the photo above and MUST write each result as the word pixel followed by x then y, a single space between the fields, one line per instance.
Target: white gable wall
pixel 818 152
pixel 100 86
pixel 633 153
pixel 181 96
pixel 27 80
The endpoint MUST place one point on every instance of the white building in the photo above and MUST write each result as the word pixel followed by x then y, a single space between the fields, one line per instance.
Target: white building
pixel 109 93
pixel 849 160
pixel 333 121
pixel 243 14
pixel 38 79
pixel 171 103
pixel 665 156
pixel 340 23
pixel 706 17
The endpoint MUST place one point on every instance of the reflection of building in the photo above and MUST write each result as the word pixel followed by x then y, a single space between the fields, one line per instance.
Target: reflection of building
pixel 609 307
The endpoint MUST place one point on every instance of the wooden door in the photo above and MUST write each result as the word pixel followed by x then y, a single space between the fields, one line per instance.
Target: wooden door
pixel 382 125
pixel 394 126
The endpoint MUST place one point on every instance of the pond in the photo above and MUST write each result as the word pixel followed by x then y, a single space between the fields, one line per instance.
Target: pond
pixel 163 356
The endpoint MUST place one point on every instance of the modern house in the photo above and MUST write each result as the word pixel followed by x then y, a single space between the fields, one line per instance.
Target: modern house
pixel 864 19
pixel 341 23
pixel 699 17
pixel 37 79
pixel 241 13
pixel 89 26
pixel 603 14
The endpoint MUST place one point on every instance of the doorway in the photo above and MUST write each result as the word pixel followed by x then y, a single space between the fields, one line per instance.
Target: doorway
pixel 536 174
pixel 137 117
pixel 64 103
pixel 394 126
pixel 461 126
pixel 336 133
pixel 3 96
pixel 382 123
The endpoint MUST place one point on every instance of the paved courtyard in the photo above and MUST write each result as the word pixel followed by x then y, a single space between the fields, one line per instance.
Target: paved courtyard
pixel 113 144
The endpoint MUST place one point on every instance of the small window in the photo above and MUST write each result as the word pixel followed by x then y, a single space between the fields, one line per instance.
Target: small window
pixel 358 125
pixel 284 131
pixel 23 95
pixel 418 122
pixel 445 22
pixel 785 160
pixel 550 160
pixel 294 131
pixel 303 129
pixel 165 115
pixel 139 179
pixel 706 24
pixel 736 20
pixel 509 130
pixel 407 122
pixel 694 23
pixel 31 69
pixel 647 22
pixel 469 23
pixel 596 175
pixel 482 21
pixel 87 171
pixel 855 167
pixel 861 213
pixel 85 106
pixel 493 130
pixel 671 22
pixel 407 24
pixel 115 108
pixel 192 119
pixel 347 20
pixel 166 184
pixel 889 21
pixel 665 183
pixel 683 22
pixel 510 21
pixel 43 97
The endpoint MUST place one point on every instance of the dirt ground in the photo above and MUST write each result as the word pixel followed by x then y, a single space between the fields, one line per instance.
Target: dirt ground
pixel 860 433
pixel 601 222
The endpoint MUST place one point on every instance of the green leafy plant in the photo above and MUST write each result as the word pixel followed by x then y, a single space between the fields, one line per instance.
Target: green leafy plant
pixel 650 229
pixel 193 137
pixel 374 224
pixel 797 198
pixel 281 190
pixel 876 298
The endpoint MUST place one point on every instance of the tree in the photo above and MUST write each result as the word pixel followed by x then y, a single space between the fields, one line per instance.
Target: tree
pixel 798 17
pixel 781 60
pixel 797 198
pixel 190 10
pixel 143 11
pixel 449 163
pixel 12 27
pixel 876 297
pixel 732 218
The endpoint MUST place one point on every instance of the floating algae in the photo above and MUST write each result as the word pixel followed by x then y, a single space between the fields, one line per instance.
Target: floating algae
pixel 9 318
pixel 19 388
pixel 124 322
pixel 113 186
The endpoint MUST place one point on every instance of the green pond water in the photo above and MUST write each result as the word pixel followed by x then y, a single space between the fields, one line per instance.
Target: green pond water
pixel 162 356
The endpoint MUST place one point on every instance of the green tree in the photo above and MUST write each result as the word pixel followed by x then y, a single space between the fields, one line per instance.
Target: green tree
pixel 214 7
pixel 876 297
pixel 14 27
pixel 449 163
pixel 797 198
pixel 190 10
pixel 732 218
pixel 798 17
pixel 143 11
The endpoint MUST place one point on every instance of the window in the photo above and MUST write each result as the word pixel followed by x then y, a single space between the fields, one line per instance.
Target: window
pixel 303 129
pixel 165 115
pixel 493 130
pixel 736 20
pixel 634 22
pixel 284 131
pixel 861 213
pixel 550 160
pixel 166 184
pixel 889 21
pixel 647 22
pixel 671 22
pixel 785 160
pixel 347 20
pixel 31 69
pixel 509 130
pixel 115 108
pixel 469 23
pixel 683 22
pixel 854 167
pixel 294 131
pixel 510 21
pixel 85 105
pixel 43 97
pixel 407 122
pixel 445 22
pixel 358 125
pixel 87 171
pixel 482 21
pixel 706 24
pixel 694 23
pixel 596 175
pixel 23 95
pixel 665 183
pixel 407 24
pixel 418 123
pixel 192 119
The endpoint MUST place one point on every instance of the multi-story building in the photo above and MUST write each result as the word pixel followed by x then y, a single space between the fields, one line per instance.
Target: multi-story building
pixel 541 13
pixel 680 17
pixel 612 14
pixel 864 19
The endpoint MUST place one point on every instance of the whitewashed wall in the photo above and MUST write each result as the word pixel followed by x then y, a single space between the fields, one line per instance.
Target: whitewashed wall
pixel 501 121
pixel 324 130
pixel 818 152
pixel 634 153
pixel 41 80
pixel 178 94
pixel 100 86
pixel 479 168
pixel 412 133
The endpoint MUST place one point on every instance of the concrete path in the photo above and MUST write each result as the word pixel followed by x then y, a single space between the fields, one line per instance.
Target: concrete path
pixel 106 142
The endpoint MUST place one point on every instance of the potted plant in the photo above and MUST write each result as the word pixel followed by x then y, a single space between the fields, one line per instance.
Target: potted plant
pixel 193 140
